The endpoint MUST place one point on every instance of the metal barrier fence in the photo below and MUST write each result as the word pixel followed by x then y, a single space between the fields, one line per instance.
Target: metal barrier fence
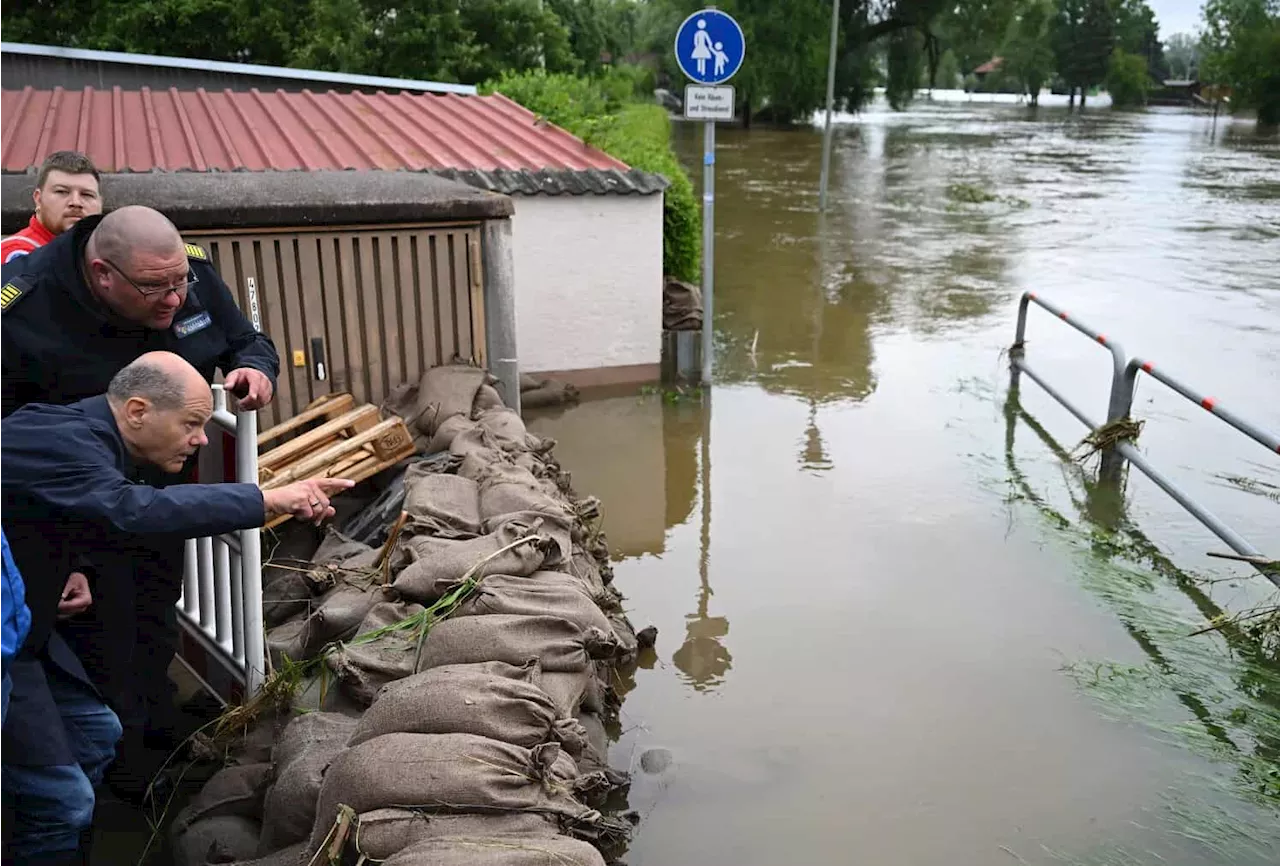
pixel 1124 379
pixel 221 604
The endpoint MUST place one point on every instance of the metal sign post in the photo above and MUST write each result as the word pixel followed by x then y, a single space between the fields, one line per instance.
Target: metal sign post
pixel 709 48
pixel 831 94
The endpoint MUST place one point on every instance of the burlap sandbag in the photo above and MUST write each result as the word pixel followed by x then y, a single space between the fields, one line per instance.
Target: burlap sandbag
pixel 289 595
pixel 487 398
pixel 232 791
pixel 555 528
pixel 528 596
pixel 220 839
pixel 558 644
pixel 508 489
pixel 472 699
pixel 567 689
pixel 339 551
pixel 339 613
pixel 288 641
pixel 446 391
pixel 499 851
pixel 434 499
pixel 305 748
pixel 294 855
pixel 449 773
pixel 508 430
pixel 437 564
pixel 364 668
pixel 584 567
pixel 384 832
pixel 447 432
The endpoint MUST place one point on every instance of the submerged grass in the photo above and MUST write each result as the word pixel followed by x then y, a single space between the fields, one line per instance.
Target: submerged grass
pixel 1210 686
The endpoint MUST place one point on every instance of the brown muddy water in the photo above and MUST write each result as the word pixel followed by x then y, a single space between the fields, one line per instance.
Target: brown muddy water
pixel 895 629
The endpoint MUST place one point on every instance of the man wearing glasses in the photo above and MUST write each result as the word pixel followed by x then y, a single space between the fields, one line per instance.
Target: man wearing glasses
pixel 106 291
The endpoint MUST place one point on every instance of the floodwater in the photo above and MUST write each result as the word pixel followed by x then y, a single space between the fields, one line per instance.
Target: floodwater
pixel 895 627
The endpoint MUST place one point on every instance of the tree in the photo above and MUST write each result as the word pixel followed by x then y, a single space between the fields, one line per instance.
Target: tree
pixel 975 30
pixel 1138 33
pixel 1182 52
pixel 1083 35
pixel 1127 79
pixel 1028 52
pixel 1241 48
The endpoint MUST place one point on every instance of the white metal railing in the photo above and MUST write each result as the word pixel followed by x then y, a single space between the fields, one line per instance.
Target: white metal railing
pixel 221 604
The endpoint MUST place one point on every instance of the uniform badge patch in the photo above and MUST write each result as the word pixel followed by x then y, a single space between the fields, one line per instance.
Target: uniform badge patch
pixel 190 325
pixel 10 294
pixel 196 252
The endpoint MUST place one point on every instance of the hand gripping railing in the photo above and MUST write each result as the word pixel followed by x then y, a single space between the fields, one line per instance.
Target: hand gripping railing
pixel 221 604
pixel 1124 378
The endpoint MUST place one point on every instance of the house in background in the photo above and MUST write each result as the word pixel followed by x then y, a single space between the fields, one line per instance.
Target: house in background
pixel 585 237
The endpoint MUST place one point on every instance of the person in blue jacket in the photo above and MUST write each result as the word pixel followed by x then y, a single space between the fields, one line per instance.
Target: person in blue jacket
pixel 17 618
pixel 72 314
pixel 71 486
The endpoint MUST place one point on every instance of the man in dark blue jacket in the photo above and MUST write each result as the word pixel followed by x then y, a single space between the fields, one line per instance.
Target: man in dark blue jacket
pixel 75 312
pixel 71 486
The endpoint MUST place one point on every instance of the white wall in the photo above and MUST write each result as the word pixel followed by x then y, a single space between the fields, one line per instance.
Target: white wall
pixel 588 280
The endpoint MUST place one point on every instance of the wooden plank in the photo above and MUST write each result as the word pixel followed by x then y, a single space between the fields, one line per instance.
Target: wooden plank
pixel 295 320
pixel 290 450
pixel 440 260
pixel 459 271
pixel 334 312
pixel 478 321
pixel 352 327
pixel 271 303
pixel 370 286
pixel 392 427
pixel 329 406
pixel 314 312
pixel 410 307
pixel 424 275
pixel 389 323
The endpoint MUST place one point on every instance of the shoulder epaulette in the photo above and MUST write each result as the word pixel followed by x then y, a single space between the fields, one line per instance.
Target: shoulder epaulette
pixel 196 252
pixel 14 291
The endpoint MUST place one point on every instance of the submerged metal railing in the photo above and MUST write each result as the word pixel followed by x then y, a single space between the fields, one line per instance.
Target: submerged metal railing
pixel 1124 378
pixel 221 604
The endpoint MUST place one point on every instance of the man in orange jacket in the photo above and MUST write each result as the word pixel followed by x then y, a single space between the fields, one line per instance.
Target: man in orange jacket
pixel 66 190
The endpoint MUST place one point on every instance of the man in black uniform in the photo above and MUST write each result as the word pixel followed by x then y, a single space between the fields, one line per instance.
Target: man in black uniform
pixel 75 313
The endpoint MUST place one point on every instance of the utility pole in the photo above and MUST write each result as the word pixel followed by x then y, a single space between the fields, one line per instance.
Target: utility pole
pixel 831 96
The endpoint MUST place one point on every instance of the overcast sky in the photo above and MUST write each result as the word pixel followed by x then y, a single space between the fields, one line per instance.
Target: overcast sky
pixel 1176 16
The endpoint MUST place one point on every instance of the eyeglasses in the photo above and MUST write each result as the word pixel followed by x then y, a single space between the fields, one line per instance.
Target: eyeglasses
pixel 152 291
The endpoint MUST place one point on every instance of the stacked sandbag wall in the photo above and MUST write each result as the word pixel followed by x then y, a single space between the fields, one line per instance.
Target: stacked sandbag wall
pixel 436 720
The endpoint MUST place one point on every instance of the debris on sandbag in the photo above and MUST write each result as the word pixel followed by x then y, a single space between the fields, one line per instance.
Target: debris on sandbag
pixel 464 628
pixel 304 750
pixel 500 851
pixel 449 773
pixel 385 832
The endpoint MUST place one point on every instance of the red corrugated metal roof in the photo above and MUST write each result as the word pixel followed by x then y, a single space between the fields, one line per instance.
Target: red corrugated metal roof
pixel 202 130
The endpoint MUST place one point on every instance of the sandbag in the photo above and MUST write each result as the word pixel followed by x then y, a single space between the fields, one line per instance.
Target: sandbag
pixel 305 748
pixel 446 391
pixel 509 489
pixel 584 567
pixel 529 596
pixel 384 832
pixel 436 500
pixel 681 305
pixel 339 551
pixel 476 440
pixel 338 614
pixel 364 668
pixel 232 791
pixel 472 699
pixel 550 394
pixel 287 596
pixel 560 645
pixel 220 839
pixel 508 430
pixel 288 642
pixel 557 529
pixel 447 432
pixel 449 773
pixel 487 398
pixel 499 851
pixel 567 690
pixel 294 855
pixel 437 564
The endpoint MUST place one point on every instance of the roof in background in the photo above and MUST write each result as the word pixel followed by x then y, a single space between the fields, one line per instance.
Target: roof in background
pixel 990 66
pixel 245 69
pixel 488 141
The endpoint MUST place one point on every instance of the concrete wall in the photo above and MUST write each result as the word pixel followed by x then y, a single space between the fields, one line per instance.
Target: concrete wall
pixel 588 283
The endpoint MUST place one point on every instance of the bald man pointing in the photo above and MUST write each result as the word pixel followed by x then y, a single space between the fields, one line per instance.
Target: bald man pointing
pixel 102 293
pixel 70 490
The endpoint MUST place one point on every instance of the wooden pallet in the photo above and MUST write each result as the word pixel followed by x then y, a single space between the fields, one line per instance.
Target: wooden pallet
pixel 348 441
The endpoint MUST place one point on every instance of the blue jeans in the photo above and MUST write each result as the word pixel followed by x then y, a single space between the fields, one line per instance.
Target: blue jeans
pixel 51 806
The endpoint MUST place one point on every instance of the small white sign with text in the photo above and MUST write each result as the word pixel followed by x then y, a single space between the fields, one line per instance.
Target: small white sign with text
pixel 708 102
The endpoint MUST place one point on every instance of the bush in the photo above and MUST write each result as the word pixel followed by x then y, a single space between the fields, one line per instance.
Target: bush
pixel 1127 80
pixel 601 112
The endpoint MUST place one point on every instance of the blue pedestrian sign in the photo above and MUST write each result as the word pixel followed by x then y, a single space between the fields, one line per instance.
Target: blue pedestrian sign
pixel 710 46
